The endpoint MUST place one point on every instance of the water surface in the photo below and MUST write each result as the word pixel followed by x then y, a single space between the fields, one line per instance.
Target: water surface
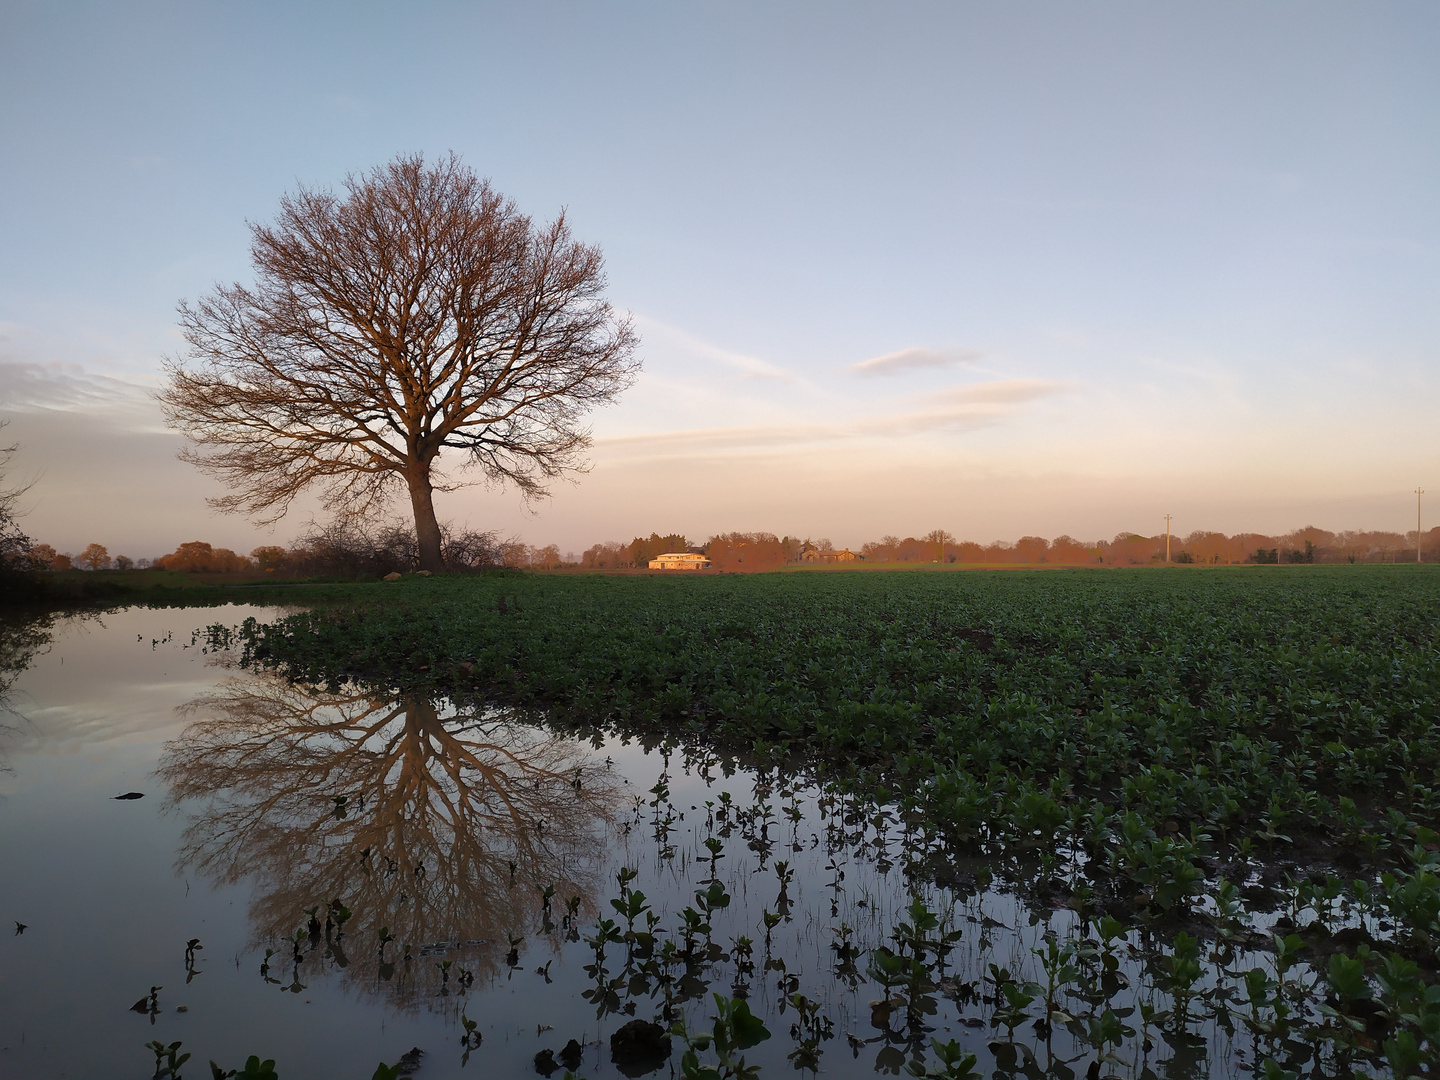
pixel 362 872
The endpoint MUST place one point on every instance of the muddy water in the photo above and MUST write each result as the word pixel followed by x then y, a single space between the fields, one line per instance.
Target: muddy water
pixel 361 875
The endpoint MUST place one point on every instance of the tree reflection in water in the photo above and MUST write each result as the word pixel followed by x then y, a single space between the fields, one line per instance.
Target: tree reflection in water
pixel 432 830
pixel 23 634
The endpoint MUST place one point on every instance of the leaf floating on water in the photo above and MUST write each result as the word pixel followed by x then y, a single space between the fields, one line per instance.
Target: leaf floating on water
pixel 131 795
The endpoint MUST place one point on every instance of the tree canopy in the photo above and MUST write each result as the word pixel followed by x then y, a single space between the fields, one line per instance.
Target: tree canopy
pixel 416 312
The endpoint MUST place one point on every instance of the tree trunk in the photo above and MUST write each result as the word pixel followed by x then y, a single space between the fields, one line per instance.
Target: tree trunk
pixel 427 529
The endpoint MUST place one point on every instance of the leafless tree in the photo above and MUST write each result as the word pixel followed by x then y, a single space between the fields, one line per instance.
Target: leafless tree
pixel 15 546
pixel 415 313
pixel 940 538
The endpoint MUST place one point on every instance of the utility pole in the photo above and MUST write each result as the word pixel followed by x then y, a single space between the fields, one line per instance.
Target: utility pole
pixel 1167 538
pixel 1418 493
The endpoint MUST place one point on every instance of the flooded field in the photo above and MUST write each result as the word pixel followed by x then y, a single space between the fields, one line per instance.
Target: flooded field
pixel 338 877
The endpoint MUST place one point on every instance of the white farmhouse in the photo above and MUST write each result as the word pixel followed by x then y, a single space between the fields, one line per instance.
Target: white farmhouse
pixel 680 560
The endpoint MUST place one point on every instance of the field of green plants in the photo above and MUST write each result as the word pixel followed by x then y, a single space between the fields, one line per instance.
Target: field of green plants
pixel 1221 763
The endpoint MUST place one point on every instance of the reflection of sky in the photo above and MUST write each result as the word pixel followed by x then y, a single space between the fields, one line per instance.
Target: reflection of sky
pixel 1211 233
pixel 109 903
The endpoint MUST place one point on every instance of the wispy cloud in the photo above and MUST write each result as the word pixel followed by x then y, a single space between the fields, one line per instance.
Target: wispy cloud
pixel 999 392
pixel 960 408
pixel 35 387
pixel 743 364
pixel 910 359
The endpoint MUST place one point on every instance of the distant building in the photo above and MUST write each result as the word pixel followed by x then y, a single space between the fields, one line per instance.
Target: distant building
pixel 680 560
pixel 812 554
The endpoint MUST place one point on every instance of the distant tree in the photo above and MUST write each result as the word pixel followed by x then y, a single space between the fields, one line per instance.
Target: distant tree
pixel 968 551
pixel 746 553
pixel 61 562
pixel 42 557
pixel 938 539
pixel 606 556
pixel 95 557
pixel 1213 547
pixel 124 562
pixel 1067 551
pixel 1134 549
pixel 417 312
pixel 1032 549
pixel 1298 555
pixel 546 558
pixel 515 554
pixel 642 550
pixel 199 557
pixel 269 557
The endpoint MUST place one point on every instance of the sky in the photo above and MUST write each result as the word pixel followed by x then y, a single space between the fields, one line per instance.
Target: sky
pixel 1003 269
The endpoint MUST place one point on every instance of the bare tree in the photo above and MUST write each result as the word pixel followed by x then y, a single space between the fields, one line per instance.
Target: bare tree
pixel 418 312
pixel 15 547
pixel 939 537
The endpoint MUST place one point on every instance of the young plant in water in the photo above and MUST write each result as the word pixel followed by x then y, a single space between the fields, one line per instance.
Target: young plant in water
pixel 254 1069
pixel 470 1040
pixel 168 1059
pixel 735 1029
pixel 1012 999
pixel 572 910
pixel 711 900
pixel 954 1063
pixel 149 1004
pixel 786 876
pixel 716 847
pixel 810 1029
pixel 630 906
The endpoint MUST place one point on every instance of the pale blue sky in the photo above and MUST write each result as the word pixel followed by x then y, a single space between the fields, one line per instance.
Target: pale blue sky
pixel 1178 258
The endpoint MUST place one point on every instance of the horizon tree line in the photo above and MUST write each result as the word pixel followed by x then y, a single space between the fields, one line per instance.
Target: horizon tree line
pixel 346 549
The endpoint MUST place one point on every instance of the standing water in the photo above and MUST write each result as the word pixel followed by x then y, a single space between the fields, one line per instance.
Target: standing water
pixel 338 877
